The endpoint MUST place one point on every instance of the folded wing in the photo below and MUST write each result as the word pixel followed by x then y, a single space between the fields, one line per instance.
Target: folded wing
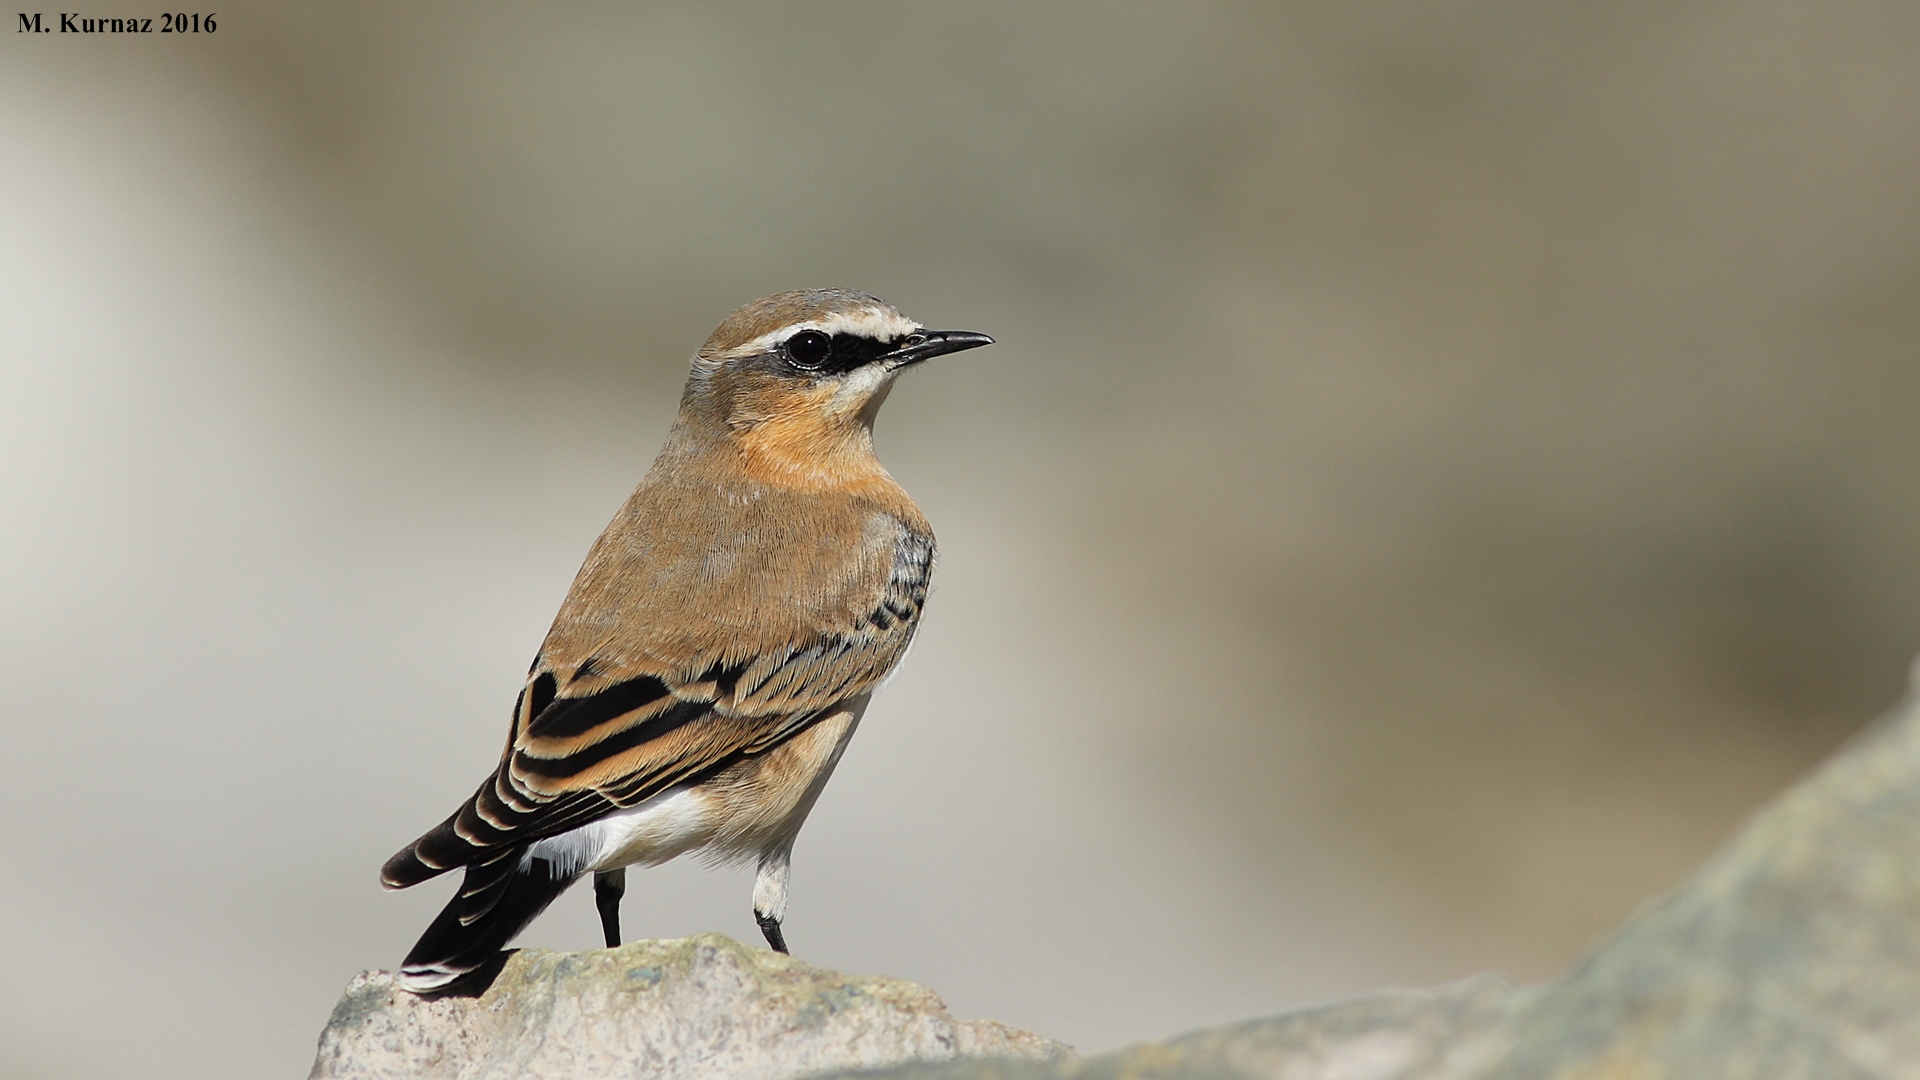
pixel 616 733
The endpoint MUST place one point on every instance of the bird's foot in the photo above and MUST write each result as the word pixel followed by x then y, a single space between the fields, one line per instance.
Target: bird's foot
pixel 770 926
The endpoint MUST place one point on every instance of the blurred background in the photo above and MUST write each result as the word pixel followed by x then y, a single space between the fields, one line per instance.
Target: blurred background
pixel 1445 464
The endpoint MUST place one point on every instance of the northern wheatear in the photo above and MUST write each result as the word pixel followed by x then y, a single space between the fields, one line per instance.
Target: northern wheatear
pixel 719 644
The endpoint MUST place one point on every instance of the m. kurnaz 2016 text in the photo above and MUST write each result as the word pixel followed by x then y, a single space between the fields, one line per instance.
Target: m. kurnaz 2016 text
pixel 167 22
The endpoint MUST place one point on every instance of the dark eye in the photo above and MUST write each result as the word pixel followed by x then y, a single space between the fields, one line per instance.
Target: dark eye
pixel 809 348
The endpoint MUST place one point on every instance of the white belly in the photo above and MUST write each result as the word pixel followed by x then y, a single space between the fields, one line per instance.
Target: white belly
pixel 668 825
pixel 664 827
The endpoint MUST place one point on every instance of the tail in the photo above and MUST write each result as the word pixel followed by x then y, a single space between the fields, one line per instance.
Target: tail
pixel 498 899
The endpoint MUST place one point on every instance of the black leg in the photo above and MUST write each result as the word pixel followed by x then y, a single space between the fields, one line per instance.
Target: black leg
pixel 770 926
pixel 608 887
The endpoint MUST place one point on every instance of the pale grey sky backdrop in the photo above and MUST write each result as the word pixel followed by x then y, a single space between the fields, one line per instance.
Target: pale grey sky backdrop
pixel 1444 465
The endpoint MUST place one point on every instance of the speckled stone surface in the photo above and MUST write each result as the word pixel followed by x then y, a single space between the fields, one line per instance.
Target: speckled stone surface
pixel 1393 1034
pixel 704 1006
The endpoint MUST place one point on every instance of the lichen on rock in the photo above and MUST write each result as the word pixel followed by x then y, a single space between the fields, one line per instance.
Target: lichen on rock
pixel 703 1006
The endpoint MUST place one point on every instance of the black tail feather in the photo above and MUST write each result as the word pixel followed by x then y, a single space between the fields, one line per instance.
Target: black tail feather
pixel 408 868
pixel 497 900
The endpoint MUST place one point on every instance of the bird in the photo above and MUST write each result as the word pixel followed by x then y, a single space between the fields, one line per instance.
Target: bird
pixel 718 646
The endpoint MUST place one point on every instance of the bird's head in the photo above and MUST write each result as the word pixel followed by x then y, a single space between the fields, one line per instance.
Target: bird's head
pixel 799 376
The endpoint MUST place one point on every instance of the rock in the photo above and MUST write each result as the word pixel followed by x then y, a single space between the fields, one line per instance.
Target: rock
pixel 1793 954
pixel 1385 1036
pixel 704 1006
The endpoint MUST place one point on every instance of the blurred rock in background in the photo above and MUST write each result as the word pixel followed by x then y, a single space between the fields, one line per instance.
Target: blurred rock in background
pixel 1444 466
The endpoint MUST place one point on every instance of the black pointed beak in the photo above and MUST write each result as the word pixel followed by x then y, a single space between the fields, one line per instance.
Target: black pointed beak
pixel 927 344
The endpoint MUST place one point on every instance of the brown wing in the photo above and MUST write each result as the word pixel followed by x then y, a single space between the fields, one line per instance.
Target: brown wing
pixel 607 732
